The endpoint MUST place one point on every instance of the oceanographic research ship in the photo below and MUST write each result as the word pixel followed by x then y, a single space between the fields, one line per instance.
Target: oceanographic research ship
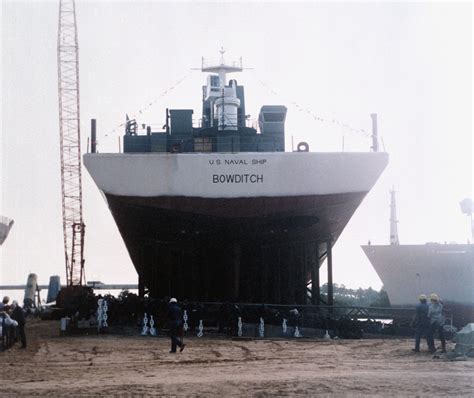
pixel 409 270
pixel 221 211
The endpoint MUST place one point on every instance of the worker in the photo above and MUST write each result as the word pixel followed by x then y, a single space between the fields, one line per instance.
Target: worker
pixel 5 318
pixel 421 323
pixel 19 316
pixel 4 304
pixel 435 313
pixel 8 329
pixel 175 322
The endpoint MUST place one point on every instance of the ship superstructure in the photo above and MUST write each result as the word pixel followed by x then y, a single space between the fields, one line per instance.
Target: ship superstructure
pixel 219 211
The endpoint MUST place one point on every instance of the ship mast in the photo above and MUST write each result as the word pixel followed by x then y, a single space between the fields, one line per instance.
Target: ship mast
pixel 224 98
pixel 467 207
pixel 70 143
pixel 393 219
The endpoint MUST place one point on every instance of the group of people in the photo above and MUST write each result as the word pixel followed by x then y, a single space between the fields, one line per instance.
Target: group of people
pixel 428 321
pixel 12 315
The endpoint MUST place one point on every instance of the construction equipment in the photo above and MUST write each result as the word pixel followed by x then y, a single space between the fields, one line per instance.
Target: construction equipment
pixel 70 143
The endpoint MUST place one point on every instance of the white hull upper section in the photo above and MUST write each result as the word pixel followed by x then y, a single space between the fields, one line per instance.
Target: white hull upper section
pixel 410 270
pixel 227 175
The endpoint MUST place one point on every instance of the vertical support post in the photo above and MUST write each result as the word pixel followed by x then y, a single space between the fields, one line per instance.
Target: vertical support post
pixel 141 286
pixel 194 273
pixel 236 269
pixel 277 276
pixel 209 272
pixel 315 283
pixel 305 280
pixel 291 275
pixel 330 285
pixel 93 135
pixel 264 293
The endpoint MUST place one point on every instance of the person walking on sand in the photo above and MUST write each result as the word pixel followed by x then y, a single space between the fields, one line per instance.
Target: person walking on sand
pixel 435 313
pixel 175 322
pixel 19 316
pixel 421 322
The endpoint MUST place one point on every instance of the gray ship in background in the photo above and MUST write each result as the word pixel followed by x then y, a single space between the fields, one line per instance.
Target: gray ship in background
pixel 409 270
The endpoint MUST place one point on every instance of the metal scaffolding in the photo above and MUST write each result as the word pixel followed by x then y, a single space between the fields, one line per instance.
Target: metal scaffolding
pixel 70 140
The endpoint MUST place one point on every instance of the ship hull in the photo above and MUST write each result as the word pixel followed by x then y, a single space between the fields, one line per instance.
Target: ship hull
pixel 195 233
pixel 410 270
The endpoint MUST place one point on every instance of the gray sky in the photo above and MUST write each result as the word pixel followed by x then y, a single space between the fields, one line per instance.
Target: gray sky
pixel 410 63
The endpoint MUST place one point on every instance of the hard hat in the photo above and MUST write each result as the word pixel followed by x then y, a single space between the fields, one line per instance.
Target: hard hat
pixel 422 297
pixel 434 297
pixel 173 300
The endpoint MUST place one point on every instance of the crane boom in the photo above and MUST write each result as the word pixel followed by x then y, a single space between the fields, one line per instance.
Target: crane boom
pixel 70 143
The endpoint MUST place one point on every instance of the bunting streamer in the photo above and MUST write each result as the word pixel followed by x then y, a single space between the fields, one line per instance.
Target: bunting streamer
pixel 317 118
pixel 153 102
pixel 300 108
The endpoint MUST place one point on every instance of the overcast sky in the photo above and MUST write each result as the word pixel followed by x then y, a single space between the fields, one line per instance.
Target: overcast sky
pixel 409 63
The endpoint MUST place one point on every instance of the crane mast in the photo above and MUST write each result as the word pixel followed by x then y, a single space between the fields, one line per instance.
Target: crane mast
pixel 70 143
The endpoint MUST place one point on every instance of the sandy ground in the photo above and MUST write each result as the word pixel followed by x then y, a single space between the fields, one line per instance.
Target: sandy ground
pixel 134 365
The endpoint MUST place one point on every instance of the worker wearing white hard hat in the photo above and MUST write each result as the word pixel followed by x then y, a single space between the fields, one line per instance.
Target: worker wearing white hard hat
pixel 175 322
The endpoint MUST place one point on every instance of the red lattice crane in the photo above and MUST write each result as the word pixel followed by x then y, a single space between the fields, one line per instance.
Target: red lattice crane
pixel 70 143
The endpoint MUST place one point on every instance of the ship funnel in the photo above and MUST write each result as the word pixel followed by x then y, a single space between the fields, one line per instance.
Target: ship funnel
pixel 227 106
pixel 393 219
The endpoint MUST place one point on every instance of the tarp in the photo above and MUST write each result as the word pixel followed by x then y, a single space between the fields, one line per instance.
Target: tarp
pixel 5 226
pixel 465 339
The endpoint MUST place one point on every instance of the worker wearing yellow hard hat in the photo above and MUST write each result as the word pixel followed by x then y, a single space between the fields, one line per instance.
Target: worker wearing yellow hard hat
pixel 437 319
pixel 434 297
pixel 421 323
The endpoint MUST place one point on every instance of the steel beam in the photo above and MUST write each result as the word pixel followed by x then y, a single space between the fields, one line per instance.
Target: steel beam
pixel 315 283
pixel 330 283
